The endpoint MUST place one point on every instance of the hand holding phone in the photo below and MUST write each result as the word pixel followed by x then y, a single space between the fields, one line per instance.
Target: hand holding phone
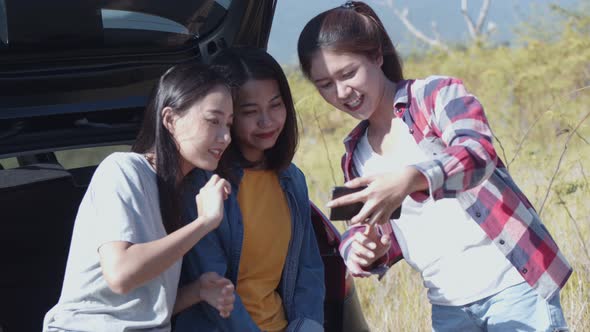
pixel 346 212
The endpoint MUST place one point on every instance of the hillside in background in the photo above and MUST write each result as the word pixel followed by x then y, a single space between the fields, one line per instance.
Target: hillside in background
pixel 291 16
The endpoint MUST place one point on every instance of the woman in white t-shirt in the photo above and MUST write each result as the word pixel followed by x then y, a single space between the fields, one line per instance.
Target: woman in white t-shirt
pixel 485 257
pixel 124 261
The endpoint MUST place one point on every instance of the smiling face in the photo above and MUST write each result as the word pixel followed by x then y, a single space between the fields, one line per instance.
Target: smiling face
pixel 259 119
pixel 202 132
pixel 352 83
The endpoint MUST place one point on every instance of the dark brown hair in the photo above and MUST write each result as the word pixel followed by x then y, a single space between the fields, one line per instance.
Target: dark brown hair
pixel 179 88
pixel 352 29
pixel 242 65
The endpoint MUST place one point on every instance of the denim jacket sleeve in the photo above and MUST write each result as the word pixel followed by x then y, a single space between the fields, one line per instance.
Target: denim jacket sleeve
pixel 308 304
pixel 209 254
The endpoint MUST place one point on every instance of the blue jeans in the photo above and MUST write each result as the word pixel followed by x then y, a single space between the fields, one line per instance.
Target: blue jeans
pixel 517 308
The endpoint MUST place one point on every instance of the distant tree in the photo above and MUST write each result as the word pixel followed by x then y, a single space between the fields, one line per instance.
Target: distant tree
pixel 577 19
pixel 476 30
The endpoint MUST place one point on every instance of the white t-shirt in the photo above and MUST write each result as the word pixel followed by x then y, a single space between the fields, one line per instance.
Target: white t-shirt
pixel 459 264
pixel 121 204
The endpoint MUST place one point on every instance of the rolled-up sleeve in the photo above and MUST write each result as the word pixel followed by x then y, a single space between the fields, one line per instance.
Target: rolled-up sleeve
pixel 458 118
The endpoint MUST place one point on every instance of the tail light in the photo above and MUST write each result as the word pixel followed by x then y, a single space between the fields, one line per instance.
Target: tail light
pixel 339 282
pixel 348 284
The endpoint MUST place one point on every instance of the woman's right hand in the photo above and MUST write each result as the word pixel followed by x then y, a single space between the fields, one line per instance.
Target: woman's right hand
pixel 384 193
pixel 210 201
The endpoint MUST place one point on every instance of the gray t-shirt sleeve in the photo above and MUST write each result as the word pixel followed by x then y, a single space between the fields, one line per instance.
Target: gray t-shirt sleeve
pixel 116 202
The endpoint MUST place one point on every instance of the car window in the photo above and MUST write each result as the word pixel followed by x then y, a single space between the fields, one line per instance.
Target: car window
pixel 108 23
pixel 174 21
pixel 77 158
pixel 8 163
pixel 74 158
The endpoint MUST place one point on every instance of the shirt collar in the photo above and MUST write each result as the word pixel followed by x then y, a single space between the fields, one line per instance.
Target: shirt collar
pixel 401 94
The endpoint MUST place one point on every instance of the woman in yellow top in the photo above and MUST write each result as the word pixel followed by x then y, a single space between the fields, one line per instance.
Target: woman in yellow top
pixel 266 244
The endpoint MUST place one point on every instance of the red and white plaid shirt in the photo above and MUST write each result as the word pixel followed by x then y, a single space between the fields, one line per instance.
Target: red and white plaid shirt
pixel 449 124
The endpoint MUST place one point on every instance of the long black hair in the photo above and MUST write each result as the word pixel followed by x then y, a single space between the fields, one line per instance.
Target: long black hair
pixel 242 65
pixel 352 28
pixel 179 88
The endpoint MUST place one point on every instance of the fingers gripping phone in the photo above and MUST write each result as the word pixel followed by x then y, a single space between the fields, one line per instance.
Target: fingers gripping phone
pixel 346 212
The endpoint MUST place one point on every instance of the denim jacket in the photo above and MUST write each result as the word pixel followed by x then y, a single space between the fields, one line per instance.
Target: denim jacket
pixel 302 286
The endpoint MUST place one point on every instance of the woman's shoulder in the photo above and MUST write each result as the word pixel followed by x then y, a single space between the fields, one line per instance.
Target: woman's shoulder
pixel 124 161
pixel 294 171
pixel 433 84
pixel 297 180
pixel 123 167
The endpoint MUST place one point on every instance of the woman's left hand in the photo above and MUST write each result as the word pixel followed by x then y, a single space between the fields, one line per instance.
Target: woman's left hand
pixel 384 194
pixel 218 292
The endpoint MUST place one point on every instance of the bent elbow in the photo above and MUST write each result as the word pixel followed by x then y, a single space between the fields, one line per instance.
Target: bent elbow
pixel 119 289
pixel 117 283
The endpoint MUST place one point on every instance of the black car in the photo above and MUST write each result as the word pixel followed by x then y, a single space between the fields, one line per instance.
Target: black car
pixel 75 75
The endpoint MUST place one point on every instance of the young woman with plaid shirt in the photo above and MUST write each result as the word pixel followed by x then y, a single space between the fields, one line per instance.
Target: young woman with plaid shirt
pixel 486 259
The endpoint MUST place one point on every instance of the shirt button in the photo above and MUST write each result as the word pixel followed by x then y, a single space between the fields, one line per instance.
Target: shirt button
pixel 502 242
pixel 411 131
pixel 398 110
pixel 525 270
pixel 478 214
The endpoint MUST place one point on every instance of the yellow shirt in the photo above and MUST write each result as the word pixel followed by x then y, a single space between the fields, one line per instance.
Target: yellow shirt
pixel 267 232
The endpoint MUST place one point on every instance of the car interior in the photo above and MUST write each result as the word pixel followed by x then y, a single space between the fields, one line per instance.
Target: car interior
pixel 39 207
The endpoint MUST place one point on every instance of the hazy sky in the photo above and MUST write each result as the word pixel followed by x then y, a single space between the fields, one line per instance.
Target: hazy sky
pixel 291 16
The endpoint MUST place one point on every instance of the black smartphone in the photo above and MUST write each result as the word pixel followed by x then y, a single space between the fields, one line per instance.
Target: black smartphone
pixel 346 212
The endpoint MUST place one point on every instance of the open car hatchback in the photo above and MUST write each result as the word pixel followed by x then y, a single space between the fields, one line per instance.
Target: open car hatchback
pixel 74 81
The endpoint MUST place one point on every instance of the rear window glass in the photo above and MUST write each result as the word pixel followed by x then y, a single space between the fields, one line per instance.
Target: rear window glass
pixel 8 163
pixel 88 156
pixel 74 158
pixel 108 23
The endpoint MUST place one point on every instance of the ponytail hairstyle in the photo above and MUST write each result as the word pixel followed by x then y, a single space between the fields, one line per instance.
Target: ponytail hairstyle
pixel 351 28
pixel 179 88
